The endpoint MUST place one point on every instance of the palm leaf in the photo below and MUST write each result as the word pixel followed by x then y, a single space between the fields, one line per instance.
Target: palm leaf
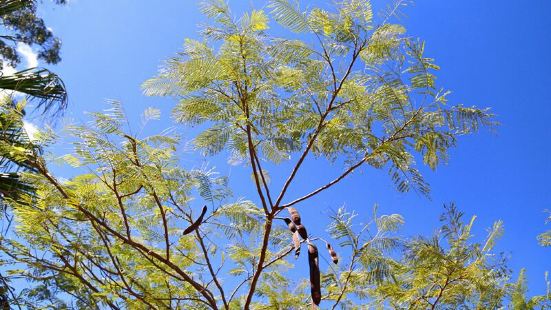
pixel 38 84
pixel 12 187
pixel 10 6
pixel 15 148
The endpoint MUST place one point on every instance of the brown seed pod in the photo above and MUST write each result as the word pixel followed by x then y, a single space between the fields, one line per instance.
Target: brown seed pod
pixel 292 226
pixel 313 262
pixel 296 242
pixel 295 216
pixel 302 231
pixel 198 222
pixel 333 254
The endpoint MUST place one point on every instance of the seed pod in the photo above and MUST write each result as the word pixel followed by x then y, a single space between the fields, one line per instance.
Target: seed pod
pixel 296 242
pixel 333 254
pixel 302 231
pixel 313 262
pixel 292 226
pixel 295 216
pixel 198 222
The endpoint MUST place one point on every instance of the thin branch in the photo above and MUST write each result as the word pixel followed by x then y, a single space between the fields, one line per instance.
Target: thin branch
pixel 394 137
pixel 121 205
pixel 120 273
pixel 282 255
pixel 320 126
pixel 260 265
pixel 326 186
pixel 254 168
pixel 144 250
pixel 346 281
pixel 211 270
pixel 162 210
pixel 266 188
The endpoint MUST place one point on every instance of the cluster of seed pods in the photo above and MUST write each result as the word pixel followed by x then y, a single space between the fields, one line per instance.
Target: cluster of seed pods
pixel 299 231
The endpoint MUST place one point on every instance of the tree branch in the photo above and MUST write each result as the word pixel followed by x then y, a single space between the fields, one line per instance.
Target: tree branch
pixel 144 250
pixel 326 186
pixel 320 126
pixel 211 270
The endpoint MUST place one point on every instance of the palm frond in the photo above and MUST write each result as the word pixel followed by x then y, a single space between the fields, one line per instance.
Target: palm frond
pixel 10 6
pixel 14 188
pixel 15 152
pixel 38 84
pixel 15 145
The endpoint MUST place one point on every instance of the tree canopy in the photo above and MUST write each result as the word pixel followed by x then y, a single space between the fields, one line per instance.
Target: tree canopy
pixel 134 228
pixel 21 24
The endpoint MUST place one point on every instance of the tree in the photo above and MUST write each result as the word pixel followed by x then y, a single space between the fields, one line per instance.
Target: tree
pixel 266 98
pixel 521 302
pixel 133 228
pixel 460 275
pixel 445 271
pixel 20 24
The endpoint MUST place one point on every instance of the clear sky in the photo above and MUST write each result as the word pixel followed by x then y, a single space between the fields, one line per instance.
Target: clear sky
pixel 492 53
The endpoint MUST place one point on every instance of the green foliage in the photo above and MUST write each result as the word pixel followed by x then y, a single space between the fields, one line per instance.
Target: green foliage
pixel 456 274
pixel 129 186
pixel 112 234
pixel 364 92
pixel 16 153
pixel 111 237
pixel 446 271
pixel 21 24
pixel 545 238
pixel 40 85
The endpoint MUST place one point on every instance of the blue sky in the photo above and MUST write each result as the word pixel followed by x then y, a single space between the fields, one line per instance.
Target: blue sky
pixel 492 53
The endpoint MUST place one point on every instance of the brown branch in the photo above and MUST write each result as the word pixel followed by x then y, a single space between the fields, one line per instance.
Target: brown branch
pixel 120 273
pixel 279 257
pixel 394 137
pixel 164 220
pixel 266 188
pixel 270 216
pixel 144 250
pixel 162 210
pixel 133 193
pixel 121 206
pixel 341 104
pixel 243 96
pixel 442 288
pixel 346 281
pixel 255 172
pixel 76 274
pixel 211 270
pixel 260 265
pixel 320 126
pixel 326 186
